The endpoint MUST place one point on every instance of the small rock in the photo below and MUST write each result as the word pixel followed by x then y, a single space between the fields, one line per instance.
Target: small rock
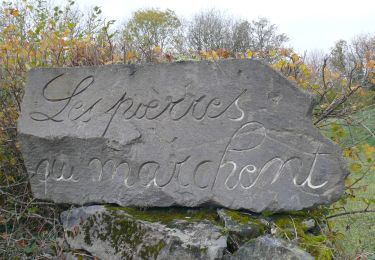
pixel 241 227
pixel 269 248
pixel 309 224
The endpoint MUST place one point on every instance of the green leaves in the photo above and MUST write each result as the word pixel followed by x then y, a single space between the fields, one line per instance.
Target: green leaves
pixel 150 29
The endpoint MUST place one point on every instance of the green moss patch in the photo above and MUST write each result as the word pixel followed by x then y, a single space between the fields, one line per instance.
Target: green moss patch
pixel 168 215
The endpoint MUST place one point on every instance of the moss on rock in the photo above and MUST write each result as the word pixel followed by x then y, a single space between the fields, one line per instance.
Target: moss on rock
pixel 168 215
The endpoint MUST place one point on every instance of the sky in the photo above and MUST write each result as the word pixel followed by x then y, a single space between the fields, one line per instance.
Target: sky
pixel 309 24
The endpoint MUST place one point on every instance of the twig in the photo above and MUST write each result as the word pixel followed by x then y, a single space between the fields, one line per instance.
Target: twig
pixel 350 213
pixel 335 104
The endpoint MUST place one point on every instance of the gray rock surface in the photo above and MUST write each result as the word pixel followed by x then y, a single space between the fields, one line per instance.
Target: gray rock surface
pixel 108 232
pixel 119 234
pixel 269 248
pixel 233 133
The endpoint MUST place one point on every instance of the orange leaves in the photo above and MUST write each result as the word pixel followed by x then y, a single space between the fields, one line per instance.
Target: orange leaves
pixel 284 52
pixel 361 92
pixel 214 55
pixel 222 53
pixel 13 12
pixel 370 64
pixel 168 57
pixel 21 243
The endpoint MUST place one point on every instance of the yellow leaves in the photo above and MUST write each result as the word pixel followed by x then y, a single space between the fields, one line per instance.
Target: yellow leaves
pixel 315 86
pixel 249 54
pixel 369 152
pixel 335 127
pixel 279 64
pixel 344 82
pixel 295 58
pixel 204 54
pixel 337 131
pixel 272 53
pixel 358 155
pixel 131 56
pixel 10 28
pixel 355 167
pixel 214 55
pixel 11 179
pixel 67 32
pixel 305 70
pixel 350 153
pixel 5 47
pixel 157 49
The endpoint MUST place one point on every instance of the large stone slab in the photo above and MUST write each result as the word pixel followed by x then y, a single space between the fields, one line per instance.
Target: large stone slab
pixel 233 133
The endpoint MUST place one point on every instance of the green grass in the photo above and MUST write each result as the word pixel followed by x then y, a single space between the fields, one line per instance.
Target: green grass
pixel 358 229
pixel 356 133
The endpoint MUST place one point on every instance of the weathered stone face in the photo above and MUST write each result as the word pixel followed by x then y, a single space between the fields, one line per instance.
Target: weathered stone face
pixel 232 133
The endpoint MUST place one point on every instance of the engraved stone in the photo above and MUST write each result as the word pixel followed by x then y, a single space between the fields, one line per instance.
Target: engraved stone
pixel 233 133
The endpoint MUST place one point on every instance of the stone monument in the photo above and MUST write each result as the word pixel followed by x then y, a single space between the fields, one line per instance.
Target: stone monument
pixel 230 133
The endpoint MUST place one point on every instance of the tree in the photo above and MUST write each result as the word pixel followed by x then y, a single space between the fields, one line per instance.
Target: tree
pixel 258 36
pixel 355 61
pixel 151 30
pixel 314 60
pixel 264 37
pixel 212 30
pixel 209 30
pixel 241 36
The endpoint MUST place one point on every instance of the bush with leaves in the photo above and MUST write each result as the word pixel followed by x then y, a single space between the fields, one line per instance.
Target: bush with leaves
pixel 34 34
